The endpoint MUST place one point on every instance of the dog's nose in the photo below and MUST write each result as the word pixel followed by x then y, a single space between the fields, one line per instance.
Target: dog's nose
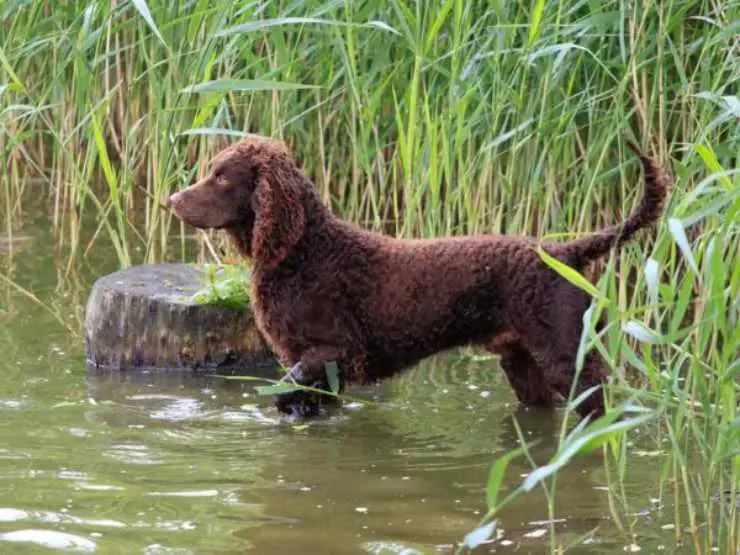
pixel 174 199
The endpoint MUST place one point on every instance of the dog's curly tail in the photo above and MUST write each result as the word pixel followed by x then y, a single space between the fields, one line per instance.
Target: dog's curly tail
pixel 583 250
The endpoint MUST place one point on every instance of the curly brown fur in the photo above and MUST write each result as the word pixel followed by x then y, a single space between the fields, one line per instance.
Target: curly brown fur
pixel 324 289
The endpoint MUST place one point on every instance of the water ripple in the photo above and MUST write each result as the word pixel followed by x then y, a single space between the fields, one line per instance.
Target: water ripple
pixel 51 539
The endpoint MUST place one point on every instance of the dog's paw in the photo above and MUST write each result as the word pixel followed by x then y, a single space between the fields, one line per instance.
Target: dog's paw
pixel 298 404
pixel 303 403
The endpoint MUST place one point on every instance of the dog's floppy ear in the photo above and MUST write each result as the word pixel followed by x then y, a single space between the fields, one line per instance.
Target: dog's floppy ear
pixel 280 217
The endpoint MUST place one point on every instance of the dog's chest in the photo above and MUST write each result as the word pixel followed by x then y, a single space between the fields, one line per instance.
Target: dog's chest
pixel 274 305
pixel 296 312
pixel 264 314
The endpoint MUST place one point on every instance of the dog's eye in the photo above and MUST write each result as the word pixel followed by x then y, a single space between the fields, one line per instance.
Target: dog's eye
pixel 220 177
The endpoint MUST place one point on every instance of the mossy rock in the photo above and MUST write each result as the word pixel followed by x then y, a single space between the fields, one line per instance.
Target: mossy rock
pixel 144 317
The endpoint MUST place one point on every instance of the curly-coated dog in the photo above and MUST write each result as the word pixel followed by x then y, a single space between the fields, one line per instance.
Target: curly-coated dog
pixel 325 290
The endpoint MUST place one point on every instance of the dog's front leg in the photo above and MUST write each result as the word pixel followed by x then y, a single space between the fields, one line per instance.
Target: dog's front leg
pixel 311 371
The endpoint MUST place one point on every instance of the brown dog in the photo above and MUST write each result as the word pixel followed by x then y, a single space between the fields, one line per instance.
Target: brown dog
pixel 326 290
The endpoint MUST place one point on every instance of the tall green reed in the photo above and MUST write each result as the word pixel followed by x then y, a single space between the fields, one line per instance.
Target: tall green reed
pixel 673 352
pixel 421 119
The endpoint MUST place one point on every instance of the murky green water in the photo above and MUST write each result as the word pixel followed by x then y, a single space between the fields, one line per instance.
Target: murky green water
pixel 178 464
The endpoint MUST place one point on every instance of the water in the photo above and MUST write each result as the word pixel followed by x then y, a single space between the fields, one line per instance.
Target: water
pixel 166 463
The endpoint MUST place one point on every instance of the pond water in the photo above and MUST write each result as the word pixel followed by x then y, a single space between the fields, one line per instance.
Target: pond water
pixel 167 463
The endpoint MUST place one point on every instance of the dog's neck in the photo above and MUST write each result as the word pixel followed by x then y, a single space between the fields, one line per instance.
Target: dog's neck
pixel 317 215
pixel 318 232
pixel 241 238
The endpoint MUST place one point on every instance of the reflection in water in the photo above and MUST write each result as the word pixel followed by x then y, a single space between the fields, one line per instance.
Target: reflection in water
pixel 197 462
pixel 171 463
pixel 383 471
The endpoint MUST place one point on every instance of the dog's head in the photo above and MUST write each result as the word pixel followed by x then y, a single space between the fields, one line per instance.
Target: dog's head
pixel 254 191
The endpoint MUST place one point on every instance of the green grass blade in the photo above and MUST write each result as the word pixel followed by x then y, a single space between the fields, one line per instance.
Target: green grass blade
pixel 143 8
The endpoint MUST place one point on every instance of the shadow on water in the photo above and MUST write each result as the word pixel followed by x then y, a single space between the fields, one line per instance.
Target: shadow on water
pixel 173 463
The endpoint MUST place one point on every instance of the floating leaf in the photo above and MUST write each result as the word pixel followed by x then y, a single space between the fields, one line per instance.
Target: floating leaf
pixel 479 535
